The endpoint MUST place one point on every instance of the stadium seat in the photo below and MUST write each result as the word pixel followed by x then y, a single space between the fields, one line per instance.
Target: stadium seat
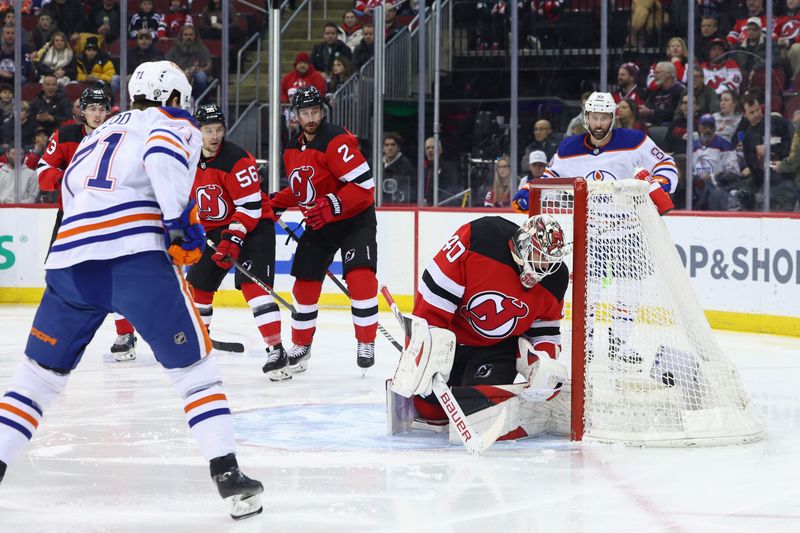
pixel 791 105
pixel 30 91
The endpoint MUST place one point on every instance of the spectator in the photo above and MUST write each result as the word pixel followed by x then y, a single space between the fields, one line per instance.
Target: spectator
pixel 68 16
pixel 783 192
pixel 660 103
pixel 705 98
pixel 738 34
pixel 330 48
pixel 56 59
pixel 350 31
pixel 575 125
pixel 50 107
pixel 712 155
pixel 176 18
pixel 340 74
pixel 449 178
pixel 392 26
pixel 77 114
pixel 395 164
pixel 500 193
pixel 753 48
pixel 647 17
pixel 709 33
pixel 365 48
pixel 538 21
pixel 302 75
pixel 791 163
pixel 729 193
pixel 104 20
pixel 491 25
pixel 675 141
pixel 787 31
pixel 193 57
pixel 537 161
pixel 8 17
pixel 628 116
pixel 45 27
pixel 144 51
pixel 96 66
pixel 627 79
pixel 40 138
pixel 7 66
pixel 728 118
pixel 210 24
pixel 29 185
pixel 542 140
pixel 677 55
pixel 721 73
pixel 6 102
pixel 28 126
pixel 147 18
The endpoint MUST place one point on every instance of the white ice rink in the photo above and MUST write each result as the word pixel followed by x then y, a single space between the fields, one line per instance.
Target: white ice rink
pixel 115 454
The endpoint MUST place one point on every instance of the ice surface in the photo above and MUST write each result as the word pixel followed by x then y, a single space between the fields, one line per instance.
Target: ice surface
pixel 114 453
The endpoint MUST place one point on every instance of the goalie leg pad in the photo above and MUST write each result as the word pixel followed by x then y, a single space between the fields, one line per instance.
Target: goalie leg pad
pixel 429 351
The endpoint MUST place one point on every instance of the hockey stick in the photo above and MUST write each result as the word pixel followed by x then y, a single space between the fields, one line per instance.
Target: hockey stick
pixel 223 346
pixel 258 282
pixel 474 442
pixel 341 286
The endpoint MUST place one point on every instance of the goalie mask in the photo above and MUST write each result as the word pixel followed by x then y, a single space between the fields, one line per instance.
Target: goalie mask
pixel 599 103
pixel 538 248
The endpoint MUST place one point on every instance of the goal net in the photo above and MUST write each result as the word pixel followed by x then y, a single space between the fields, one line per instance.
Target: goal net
pixel 646 368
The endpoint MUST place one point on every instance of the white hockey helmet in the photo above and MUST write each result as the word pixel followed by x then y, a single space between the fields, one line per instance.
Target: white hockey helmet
pixel 599 103
pixel 156 81
pixel 538 247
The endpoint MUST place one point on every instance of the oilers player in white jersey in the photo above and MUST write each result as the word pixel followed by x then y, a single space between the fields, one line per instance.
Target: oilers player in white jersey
pixel 128 228
pixel 605 153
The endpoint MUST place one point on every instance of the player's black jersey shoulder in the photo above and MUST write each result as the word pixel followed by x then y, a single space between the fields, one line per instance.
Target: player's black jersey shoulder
pixel 556 283
pixel 71 133
pixel 489 236
pixel 229 154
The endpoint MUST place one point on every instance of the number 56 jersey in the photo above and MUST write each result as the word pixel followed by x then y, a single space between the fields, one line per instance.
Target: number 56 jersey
pixel 472 288
pixel 128 174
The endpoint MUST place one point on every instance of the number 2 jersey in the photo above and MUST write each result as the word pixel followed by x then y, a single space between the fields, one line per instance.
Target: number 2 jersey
pixel 472 288
pixel 330 164
pixel 124 177
pixel 227 189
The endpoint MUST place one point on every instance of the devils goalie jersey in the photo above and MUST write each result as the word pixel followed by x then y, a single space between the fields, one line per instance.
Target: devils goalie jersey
pixel 472 288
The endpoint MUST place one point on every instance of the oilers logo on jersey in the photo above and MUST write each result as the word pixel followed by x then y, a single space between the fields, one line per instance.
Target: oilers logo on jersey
pixel 600 175
pixel 493 314
pixel 302 186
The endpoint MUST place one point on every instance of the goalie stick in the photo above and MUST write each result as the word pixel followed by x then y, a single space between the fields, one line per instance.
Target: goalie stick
pixel 474 442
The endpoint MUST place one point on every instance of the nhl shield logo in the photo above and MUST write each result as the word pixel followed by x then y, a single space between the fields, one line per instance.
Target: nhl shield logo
pixel 180 338
pixel 493 314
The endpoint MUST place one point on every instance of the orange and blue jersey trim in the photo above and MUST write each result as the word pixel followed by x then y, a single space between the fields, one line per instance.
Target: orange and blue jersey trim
pixel 176 113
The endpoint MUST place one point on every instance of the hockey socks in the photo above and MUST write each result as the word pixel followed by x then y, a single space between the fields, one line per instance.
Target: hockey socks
pixel 123 326
pixel 31 391
pixel 304 322
pixel 203 301
pixel 363 287
pixel 265 312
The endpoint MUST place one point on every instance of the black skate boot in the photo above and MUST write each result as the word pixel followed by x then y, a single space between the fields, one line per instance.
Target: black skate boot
pixel 239 491
pixel 2 470
pixel 298 358
pixel 124 348
pixel 277 362
pixel 619 350
pixel 365 354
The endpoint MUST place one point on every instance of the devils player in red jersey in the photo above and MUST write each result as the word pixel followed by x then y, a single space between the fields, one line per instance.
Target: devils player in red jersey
pixel 331 183
pixel 499 288
pixel 237 217
pixel 95 104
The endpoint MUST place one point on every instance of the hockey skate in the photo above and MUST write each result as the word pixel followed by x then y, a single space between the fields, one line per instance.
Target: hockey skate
pixel 619 350
pixel 124 348
pixel 365 355
pixel 277 361
pixel 239 491
pixel 298 358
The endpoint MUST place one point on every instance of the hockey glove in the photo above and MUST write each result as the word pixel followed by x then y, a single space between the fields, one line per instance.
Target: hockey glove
pixel 659 196
pixel 276 211
pixel 229 247
pixel 324 211
pixel 185 237
pixel 520 201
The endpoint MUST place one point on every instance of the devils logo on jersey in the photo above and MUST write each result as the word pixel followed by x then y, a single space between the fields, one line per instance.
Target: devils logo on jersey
pixel 302 187
pixel 210 203
pixel 493 314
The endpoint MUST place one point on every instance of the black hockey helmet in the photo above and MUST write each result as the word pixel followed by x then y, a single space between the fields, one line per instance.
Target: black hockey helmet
pixel 95 95
pixel 306 97
pixel 209 114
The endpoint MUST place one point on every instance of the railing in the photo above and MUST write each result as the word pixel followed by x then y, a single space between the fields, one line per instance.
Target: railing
pixel 446 50
pixel 213 85
pixel 246 131
pixel 255 66
pixel 296 12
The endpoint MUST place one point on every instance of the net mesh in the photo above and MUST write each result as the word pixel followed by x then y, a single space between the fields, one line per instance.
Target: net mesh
pixel 654 371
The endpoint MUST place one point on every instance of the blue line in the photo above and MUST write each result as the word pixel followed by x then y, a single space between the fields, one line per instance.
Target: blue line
pixel 167 131
pixel 27 401
pixel 208 414
pixel 162 150
pixel 107 237
pixel 11 423
pixel 113 209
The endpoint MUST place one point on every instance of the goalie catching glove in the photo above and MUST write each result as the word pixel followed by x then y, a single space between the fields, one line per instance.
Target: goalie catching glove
pixel 185 237
pixel 324 211
pixel 545 375
pixel 230 245
pixel 659 196
pixel 429 351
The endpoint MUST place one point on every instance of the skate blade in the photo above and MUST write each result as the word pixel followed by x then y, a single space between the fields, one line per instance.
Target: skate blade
pixel 278 375
pixel 241 508
pixel 298 368
pixel 124 357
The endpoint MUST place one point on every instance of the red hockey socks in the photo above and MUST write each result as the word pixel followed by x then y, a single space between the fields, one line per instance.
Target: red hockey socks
pixel 304 322
pixel 123 326
pixel 363 287
pixel 265 311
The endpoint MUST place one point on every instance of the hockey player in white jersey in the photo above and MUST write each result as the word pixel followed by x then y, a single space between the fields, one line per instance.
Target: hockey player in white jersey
pixel 128 228
pixel 605 153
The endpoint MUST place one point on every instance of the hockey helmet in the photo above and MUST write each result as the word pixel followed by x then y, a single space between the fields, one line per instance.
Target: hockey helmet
pixel 95 95
pixel 157 81
pixel 599 103
pixel 538 247
pixel 209 114
pixel 306 97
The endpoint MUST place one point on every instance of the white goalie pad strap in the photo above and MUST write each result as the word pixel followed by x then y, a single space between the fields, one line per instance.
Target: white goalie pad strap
pixel 429 351
pixel 545 376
